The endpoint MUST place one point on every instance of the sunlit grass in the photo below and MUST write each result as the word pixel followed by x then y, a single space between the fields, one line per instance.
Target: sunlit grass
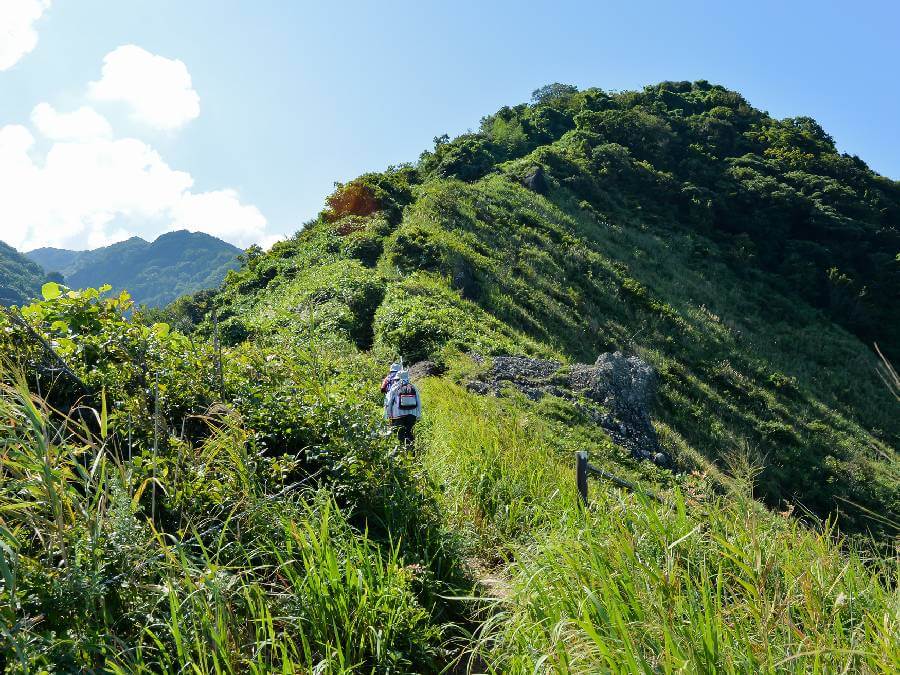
pixel 226 578
pixel 708 583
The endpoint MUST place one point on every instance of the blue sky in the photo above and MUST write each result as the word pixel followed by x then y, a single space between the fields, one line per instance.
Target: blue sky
pixel 296 95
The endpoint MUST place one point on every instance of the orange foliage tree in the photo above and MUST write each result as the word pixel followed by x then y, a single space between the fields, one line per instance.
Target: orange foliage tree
pixel 351 199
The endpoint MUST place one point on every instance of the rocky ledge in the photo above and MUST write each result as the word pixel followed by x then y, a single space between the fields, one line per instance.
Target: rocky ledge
pixel 616 392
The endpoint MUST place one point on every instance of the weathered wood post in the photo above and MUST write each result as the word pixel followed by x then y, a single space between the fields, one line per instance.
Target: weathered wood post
pixel 581 475
pixel 217 347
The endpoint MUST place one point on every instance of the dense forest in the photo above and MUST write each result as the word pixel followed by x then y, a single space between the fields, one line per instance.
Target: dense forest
pixel 154 273
pixel 209 486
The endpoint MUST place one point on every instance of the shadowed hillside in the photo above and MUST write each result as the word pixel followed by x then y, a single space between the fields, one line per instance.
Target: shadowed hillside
pixel 20 278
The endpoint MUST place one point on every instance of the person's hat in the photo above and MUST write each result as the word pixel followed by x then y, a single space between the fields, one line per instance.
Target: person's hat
pixel 403 376
pixel 395 367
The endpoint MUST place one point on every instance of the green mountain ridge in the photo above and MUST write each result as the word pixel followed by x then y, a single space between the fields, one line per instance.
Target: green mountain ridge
pixel 235 504
pixel 737 253
pixel 154 273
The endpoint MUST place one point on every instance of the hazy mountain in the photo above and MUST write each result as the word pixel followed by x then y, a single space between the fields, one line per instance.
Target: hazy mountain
pixel 155 273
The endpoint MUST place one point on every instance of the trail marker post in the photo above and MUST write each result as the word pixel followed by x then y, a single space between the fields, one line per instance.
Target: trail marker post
pixel 581 475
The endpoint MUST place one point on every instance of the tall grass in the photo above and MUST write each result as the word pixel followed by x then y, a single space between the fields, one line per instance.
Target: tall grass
pixel 231 575
pixel 501 478
pixel 640 589
pixel 704 584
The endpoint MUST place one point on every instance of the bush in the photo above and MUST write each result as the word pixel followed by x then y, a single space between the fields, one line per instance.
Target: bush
pixel 352 199
pixel 364 247
pixel 233 331
pixel 421 317
pixel 415 248
pixel 467 158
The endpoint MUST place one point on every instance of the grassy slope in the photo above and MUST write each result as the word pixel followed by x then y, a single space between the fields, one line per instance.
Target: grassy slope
pixel 704 584
pixel 741 361
pixel 752 376
pixel 744 365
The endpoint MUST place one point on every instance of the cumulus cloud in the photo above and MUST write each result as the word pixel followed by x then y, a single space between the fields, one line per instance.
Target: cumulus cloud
pixel 221 214
pixel 17 34
pixel 94 191
pixel 159 91
pixel 82 124
pixel 81 187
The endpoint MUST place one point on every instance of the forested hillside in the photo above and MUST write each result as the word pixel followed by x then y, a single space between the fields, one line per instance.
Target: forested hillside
pixel 222 496
pixel 20 278
pixel 155 273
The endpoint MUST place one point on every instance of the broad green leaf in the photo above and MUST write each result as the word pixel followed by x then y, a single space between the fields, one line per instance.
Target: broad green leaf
pixel 51 290
pixel 65 345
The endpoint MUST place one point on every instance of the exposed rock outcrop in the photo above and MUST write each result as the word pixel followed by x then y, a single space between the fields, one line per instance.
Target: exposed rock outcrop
pixel 422 369
pixel 535 180
pixel 616 392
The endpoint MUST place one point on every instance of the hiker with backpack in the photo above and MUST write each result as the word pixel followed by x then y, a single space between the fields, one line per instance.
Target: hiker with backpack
pixel 403 407
pixel 389 379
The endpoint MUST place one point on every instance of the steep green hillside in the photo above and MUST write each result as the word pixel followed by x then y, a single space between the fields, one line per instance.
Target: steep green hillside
pixel 20 278
pixel 741 255
pixel 155 273
pixel 167 506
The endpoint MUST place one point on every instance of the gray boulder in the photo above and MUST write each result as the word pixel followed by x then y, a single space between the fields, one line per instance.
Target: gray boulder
pixel 535 180
pixel 616 392
pixel 422 369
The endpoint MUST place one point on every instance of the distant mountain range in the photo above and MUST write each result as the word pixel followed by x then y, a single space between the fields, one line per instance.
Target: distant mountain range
pixel 154 273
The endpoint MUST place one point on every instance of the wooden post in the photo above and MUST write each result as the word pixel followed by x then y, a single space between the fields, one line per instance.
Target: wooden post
pixel 217 347
pixel 581 475
pixel 155 444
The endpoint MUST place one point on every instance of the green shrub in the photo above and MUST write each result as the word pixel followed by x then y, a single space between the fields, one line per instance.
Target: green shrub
pixel 421 318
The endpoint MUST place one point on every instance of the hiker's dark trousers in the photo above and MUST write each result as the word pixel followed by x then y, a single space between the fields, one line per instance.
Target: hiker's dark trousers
pixel 404 426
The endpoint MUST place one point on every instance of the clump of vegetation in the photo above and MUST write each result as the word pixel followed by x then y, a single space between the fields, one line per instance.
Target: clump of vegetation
pixel 187 532
pixel 353 199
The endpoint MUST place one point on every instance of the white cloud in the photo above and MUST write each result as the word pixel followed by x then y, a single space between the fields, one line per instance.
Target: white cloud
pixel 82 124
pixel 83 188
pixel 17 34
pixel 221 214
pixel 92 192
pixel 270 240
pixel 158 90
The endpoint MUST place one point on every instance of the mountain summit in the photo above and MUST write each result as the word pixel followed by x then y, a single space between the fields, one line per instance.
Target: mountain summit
pixel 20 278
pixel 744 257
